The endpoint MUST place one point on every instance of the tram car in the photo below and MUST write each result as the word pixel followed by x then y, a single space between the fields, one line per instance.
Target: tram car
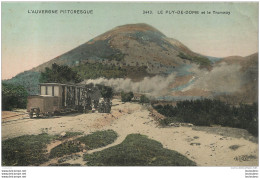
pixel 57 98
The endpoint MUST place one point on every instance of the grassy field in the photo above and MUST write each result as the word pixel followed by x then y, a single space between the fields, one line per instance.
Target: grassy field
pixel 95 140
pixel 31 149
pixel 26 150
pixel 137 150
pixel 98 139
pixel 65 148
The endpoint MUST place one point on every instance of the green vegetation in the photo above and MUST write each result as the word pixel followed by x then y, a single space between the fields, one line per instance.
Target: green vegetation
pixel 31 149
pixel 234 147
pixel 137 150
pixel 144 99
pixel 126 97
pixel 245 158
pixel 66 148
pixel 207 112
pixel 13 96
pixel 28 79
pixel 60 74
pixel 26 150
pixel 202 61
pixel 106 92
pixel 64 164
pixel 97 70
pixel 98 139
pixel 118 56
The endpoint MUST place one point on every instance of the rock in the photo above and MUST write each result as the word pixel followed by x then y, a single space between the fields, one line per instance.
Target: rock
pixel 63 134
pixel 190 125
pixel 174 124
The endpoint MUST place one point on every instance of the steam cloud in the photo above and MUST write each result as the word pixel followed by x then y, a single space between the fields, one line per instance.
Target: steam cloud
pixel 152 86
pixel 223 78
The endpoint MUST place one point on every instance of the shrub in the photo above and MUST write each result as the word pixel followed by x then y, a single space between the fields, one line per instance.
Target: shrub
pixel 144 99
pixel 207 112
pixel 106 91
pixel 13 96
pixel 127 97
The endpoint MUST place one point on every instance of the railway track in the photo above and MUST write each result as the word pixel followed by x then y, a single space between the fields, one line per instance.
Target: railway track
pixel 7 117
pixel 14 117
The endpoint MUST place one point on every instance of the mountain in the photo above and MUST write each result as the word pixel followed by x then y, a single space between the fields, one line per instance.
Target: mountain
pixel 157 65
pixel 133 45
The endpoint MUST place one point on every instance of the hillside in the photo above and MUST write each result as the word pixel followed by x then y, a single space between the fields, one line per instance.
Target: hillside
pixel 133 45
pixel 248 92
pixel 232 79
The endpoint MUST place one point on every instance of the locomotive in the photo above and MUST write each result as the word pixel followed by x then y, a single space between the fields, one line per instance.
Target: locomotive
pixel 57 98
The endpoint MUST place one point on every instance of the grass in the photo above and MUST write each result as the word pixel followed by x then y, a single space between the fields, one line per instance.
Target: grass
pixel 137 150
pixel 64 164
pixel 98 139
pixel 66 148
pixel 245 158
pixel 26 150
pixel 91 141
pixel 92 71
pixel 202 61
pixel 30 150
pixel 234 147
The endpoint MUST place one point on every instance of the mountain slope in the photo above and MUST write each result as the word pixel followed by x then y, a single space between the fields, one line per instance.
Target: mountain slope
pixel 232 79
pixel 130 45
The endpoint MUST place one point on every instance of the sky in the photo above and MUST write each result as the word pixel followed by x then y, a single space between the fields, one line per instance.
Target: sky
pixel 30 39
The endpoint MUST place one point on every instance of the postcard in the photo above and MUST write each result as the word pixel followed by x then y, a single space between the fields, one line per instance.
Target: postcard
pixel 135 84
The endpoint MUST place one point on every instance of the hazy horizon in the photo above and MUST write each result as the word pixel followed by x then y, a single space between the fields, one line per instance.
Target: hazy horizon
pixel 29 40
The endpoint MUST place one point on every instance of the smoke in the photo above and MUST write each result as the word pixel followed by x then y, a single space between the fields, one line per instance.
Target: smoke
pixel 151 86
pixel 223 78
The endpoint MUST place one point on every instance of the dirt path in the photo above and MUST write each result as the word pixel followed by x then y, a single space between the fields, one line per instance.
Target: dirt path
pixel 204 147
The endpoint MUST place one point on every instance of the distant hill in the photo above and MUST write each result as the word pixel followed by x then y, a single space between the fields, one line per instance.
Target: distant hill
pixel 232 79
pixel 28 79
pixel 249 70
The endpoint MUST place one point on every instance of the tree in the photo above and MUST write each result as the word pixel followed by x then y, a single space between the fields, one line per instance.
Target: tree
pixel 106 92
pixel 13 96
pixel 126 97
pixel 144 99
pixel 60 74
